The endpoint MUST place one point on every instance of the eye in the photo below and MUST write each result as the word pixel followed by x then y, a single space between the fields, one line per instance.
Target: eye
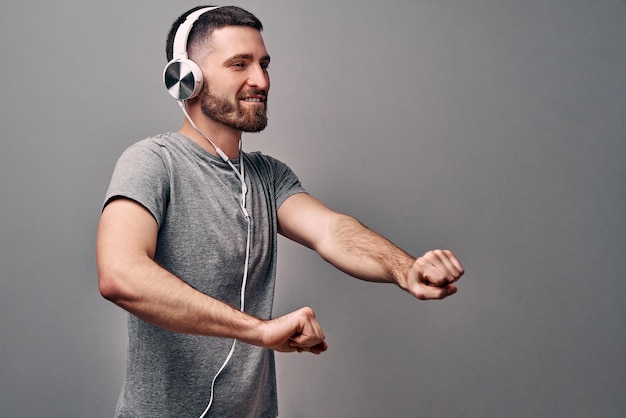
pixel 265 65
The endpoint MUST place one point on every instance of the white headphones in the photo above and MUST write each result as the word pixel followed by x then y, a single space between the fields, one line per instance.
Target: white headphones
pixel 182 76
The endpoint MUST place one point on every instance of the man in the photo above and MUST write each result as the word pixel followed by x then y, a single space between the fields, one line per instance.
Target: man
pixel 187 242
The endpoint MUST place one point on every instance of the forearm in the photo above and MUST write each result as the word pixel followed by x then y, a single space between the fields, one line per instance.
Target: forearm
pixel 148 291
pixel 162 299
pixel 363 253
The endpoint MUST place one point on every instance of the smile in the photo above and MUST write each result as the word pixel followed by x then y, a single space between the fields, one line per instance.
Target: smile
pixel 253 99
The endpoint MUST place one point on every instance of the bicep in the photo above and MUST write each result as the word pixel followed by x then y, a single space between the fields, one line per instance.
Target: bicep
pixel 126 231
pixel 305 220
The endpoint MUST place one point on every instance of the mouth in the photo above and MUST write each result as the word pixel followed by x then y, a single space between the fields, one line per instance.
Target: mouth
pixel 254 100
pixel 253 96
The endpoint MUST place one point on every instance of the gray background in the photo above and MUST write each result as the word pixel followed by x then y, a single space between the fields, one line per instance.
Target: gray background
pixel 493 128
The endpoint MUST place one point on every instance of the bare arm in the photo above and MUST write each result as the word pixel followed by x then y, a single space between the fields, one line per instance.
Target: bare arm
pixel 129 277
pixel 353 248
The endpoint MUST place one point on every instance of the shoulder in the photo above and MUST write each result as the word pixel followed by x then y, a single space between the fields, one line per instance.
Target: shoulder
pixel 153 144
pixel 277 175
pixel 266 162
pixel 148 153
pixel 142 164
pixel 259 157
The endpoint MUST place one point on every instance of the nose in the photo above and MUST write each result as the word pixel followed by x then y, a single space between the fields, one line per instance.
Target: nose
pixel 259 77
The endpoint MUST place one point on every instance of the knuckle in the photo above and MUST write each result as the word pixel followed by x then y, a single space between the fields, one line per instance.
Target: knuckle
pixel 421 262
pixel 419 294
pixel 308 312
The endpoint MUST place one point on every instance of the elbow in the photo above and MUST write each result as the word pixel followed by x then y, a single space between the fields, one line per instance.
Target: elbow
pixel 338 238
pixel 110 283
pixel 108 286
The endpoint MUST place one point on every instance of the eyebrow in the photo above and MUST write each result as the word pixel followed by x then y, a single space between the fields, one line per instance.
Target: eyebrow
pixel 247 57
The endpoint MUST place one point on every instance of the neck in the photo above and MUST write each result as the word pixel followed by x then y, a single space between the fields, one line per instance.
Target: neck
pixel 219 135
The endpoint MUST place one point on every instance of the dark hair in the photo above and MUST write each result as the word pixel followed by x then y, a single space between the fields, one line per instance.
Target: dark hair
pixel 208 22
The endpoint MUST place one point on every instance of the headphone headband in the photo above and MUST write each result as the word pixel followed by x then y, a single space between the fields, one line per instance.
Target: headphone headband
pixel 182 76
pixel 182 33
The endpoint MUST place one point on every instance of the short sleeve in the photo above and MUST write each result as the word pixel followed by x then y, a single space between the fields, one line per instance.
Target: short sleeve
pixel 142 175
pixel 284 180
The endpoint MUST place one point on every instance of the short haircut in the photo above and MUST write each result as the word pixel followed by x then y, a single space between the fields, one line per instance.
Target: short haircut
pixel 207 23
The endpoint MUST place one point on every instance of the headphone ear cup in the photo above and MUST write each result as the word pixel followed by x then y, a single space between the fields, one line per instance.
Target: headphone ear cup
pixel 182 78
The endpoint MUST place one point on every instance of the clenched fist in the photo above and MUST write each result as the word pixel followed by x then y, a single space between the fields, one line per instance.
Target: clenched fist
pixel 296 331
pixel 433 275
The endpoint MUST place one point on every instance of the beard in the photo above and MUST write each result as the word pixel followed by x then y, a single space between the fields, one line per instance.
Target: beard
pixel 233 115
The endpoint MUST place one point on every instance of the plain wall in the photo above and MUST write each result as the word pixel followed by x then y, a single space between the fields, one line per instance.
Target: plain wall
pixel 494 128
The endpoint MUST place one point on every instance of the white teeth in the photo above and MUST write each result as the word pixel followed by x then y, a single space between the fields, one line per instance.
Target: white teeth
pixel 253 99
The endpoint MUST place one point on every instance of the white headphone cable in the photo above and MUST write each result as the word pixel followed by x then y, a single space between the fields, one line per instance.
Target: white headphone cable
pixel 244 190
pixel 232 347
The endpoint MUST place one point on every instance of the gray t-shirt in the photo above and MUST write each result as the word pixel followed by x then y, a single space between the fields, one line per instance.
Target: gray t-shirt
pixel 194 197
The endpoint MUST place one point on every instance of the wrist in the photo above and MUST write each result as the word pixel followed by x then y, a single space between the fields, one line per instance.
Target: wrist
pixel 402 274
pixel 251 331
